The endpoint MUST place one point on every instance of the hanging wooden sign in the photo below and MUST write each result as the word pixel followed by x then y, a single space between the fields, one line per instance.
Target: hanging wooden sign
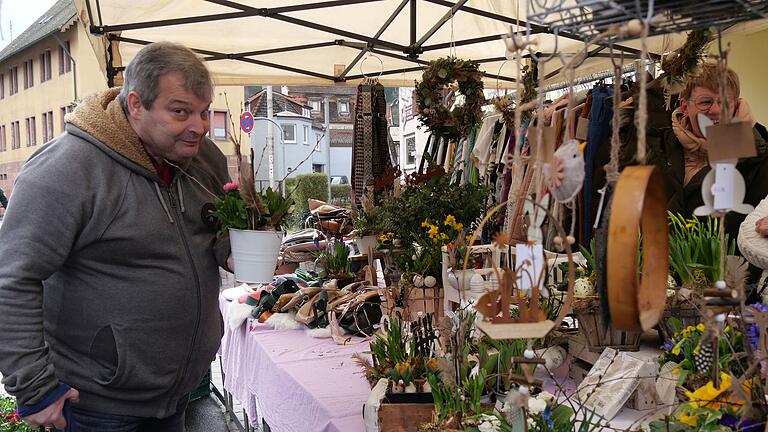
pixel 639 202
pixel 730 141
pixel 542 152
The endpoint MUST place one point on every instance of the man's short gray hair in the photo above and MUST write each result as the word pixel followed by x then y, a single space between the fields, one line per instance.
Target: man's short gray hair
pixel 155 60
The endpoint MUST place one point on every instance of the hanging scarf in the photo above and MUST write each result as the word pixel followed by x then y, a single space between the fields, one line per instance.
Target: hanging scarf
pixel 694 149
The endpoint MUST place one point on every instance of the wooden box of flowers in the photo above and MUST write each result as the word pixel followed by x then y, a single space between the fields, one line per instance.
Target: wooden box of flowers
pixel 589 311
pixel 402 354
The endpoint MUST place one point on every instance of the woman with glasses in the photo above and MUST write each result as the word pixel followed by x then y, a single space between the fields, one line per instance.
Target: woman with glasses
pixel 680 152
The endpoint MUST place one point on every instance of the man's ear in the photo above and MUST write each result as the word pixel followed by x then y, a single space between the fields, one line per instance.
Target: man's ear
pixel 135 107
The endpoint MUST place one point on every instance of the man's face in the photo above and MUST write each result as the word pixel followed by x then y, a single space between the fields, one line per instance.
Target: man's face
pixel 706 101
pixel 173 127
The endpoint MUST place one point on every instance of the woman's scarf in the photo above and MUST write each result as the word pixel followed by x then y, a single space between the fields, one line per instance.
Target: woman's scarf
pixel 694 149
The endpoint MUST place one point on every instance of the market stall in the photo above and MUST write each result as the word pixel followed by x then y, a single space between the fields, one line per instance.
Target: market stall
pixel 511 282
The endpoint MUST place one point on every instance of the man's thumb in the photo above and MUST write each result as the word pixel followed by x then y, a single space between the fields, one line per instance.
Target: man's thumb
pixel 73 395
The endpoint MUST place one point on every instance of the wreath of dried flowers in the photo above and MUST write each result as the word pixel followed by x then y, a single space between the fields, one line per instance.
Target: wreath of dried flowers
pixel 441 121
pixel 505 104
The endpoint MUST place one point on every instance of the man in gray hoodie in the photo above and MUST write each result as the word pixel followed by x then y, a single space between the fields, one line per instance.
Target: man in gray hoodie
pixel 109 282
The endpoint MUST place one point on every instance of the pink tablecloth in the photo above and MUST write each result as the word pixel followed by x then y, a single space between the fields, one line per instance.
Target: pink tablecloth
pixel 301 383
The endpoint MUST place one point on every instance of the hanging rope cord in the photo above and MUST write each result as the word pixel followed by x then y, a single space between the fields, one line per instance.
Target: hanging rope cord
pixel 612 168
pixel 642 103
pixel 722 65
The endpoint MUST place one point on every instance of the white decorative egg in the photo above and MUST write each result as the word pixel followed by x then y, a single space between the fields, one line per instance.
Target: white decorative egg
pixel 477 283
pixel 418 281
pixel 430 281
pixel 582 288
pixel 671 283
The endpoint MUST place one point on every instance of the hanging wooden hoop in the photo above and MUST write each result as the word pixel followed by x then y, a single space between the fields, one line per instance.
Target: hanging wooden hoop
pixel 636 303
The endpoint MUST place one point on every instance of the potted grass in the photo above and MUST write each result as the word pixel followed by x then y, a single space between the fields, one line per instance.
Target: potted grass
pixel 694 257
pixel 334 260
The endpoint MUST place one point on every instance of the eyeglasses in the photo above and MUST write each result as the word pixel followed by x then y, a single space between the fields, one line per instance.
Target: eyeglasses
pixel 704 103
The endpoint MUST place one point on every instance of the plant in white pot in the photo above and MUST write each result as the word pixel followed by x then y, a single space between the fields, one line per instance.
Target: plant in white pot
pixel 367 225
pixel 254 222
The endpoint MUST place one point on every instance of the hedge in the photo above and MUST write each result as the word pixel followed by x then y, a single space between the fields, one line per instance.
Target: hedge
pixel 340 194
pixel 313 186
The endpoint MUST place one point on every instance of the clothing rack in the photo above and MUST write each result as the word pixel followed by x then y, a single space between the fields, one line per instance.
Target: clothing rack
pixel 589 78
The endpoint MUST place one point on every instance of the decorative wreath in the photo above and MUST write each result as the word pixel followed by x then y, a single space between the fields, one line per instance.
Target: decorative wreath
pixel 441 121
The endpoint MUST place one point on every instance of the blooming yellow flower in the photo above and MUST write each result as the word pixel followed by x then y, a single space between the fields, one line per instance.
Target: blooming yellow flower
pixel 450 220
pixel 425 224
pixel 676 349
pixel 700 327
pixel 709 396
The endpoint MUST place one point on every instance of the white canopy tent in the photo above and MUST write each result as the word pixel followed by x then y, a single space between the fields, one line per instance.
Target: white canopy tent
pixel 272 42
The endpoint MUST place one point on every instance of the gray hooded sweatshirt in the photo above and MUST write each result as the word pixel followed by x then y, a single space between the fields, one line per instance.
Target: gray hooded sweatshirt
pixel 109 278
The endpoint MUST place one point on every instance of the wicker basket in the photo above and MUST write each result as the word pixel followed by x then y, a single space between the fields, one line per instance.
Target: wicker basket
pixel 689 316
pixel 592 326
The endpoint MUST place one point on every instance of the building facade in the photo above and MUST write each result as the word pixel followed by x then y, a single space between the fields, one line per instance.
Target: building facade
pixel 300 144
pixel 48 68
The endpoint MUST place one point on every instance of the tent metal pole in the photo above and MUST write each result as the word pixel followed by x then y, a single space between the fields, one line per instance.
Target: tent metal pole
pixel 286 68
pixel 218 55
pixel 294 8
pixel 413 22
pixel 376 36
pixel 92 26
pixel 534 27
pixel 101 29
pixel 277 50
pixel 589 54
pixel 471 41
pixel 98 12
pixel 390 72
pixel 438 24
pixel 274 14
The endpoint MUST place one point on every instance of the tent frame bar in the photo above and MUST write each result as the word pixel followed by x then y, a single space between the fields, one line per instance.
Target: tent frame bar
pixel 364 44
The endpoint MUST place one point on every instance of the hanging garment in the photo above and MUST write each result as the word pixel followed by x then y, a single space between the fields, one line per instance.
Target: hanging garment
pixel 598 136
pixel 370 152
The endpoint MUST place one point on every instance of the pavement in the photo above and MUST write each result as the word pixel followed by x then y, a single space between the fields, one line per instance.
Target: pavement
pixel 207 415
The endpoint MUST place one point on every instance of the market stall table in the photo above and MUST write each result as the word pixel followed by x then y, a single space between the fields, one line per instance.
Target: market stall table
pixel 293 381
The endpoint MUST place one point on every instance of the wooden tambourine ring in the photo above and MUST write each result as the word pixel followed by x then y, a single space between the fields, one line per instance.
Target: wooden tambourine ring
pixel 639 201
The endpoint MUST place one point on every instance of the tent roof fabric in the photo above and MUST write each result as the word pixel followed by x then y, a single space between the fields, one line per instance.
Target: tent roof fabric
pixel 300 42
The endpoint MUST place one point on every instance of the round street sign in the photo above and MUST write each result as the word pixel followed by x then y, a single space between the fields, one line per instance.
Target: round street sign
pixel 246 122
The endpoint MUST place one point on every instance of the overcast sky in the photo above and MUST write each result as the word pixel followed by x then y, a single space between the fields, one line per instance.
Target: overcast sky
pixel 22 13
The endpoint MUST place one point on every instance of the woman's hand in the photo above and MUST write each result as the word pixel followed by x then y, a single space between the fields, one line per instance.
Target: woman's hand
pixel 762 226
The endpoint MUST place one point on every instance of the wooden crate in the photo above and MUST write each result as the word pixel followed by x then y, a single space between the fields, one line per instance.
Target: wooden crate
pixel 403 417
pixel 596 335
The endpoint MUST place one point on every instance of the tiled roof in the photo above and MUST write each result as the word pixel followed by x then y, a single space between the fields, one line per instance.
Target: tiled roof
pixel 341 137
pixel 52 21
pixel 280 103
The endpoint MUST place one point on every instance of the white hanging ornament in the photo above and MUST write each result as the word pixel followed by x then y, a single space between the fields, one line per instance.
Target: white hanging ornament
pixel 723 188
pixel 564 177
pixel 536 217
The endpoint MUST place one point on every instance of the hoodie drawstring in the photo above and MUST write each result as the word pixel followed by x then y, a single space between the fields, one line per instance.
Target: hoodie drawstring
pixel 162 201
pixel 181 195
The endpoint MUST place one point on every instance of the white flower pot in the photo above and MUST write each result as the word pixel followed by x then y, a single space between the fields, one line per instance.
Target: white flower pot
pixel 255 254
pixel 367 244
